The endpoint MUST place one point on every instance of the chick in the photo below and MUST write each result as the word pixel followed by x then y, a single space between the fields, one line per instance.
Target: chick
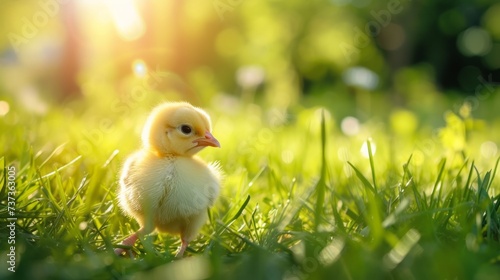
pixel 164 186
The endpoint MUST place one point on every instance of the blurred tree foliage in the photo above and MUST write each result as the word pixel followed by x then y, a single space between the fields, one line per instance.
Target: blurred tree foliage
pixel 273 50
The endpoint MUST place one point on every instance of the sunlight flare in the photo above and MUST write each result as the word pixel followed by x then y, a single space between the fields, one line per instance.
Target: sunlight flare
pixel 127 20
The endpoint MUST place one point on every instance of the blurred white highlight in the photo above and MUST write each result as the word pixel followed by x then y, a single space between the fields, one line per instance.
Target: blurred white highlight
pixel 361 77
pixel 489 149
pixel 127 21
pixel 350 126
pixel 364 149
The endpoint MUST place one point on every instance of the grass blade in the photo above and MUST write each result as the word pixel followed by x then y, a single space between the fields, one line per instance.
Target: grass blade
pixel 438 183
pixel 372 165
pixel 238 214
pixel 363 179
pixel 321 186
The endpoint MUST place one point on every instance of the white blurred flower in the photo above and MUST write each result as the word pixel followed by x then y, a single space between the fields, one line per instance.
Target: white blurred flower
pixel 361 77
pixel 226 103
pixel 474 41
pixel 350 126
pixel 31 100
pixel 250 76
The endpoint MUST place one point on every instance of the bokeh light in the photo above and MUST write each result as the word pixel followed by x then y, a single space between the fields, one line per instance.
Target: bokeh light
pixel 489 149
pixel 139 68
pixel 250 76
pixel 4 108
pixel 128 22
pixel 364 149
pixel 361 77
pixel 30 98
pixel 474 41
pixel 491 21
pixel 403 122
pixel 350 126
pixel 83 225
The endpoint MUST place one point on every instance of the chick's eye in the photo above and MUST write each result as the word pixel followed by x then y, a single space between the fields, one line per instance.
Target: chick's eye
pixel 186 129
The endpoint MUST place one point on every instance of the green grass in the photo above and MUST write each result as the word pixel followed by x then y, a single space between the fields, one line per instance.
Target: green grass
pixel 299 201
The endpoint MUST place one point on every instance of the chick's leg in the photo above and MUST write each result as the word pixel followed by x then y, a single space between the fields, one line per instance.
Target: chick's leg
pixel 182 249
pixel 189 231
pixel 130 241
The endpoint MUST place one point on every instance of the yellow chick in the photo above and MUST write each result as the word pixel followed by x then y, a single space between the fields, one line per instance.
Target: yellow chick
pixel 164 186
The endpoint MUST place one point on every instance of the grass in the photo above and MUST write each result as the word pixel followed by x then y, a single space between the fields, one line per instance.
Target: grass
pixel 299 200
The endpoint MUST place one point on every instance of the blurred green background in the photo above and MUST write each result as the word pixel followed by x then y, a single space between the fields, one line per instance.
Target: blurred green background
pixel 297 91
pixel 278 52
pixel 398 63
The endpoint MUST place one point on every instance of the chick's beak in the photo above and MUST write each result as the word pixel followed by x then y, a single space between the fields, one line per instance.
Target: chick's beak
pixel 208 140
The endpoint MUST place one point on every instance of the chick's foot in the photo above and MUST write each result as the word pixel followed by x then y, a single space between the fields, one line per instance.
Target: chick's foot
pixel 129 241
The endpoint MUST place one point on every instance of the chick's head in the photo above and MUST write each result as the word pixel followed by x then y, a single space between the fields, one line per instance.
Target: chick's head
pixel 178 129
